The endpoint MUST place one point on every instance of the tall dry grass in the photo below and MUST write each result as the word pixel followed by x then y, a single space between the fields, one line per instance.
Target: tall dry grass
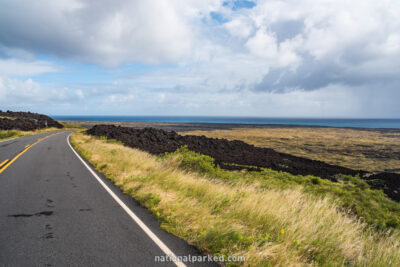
pixel 270 227
pixel 9 134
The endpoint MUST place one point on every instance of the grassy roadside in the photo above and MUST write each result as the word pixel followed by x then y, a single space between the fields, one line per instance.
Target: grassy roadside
pixel 269 223
pixel 352 194
pixel 9 134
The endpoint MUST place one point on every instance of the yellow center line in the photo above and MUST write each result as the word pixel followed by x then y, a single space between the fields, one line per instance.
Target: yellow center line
pixel 4 162
pixel 22 152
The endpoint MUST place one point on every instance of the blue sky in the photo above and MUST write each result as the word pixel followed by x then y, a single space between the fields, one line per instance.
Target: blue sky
pixel 305 58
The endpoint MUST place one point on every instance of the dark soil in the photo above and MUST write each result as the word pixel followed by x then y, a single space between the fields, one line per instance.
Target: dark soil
pixel 230 154
pixel 26 121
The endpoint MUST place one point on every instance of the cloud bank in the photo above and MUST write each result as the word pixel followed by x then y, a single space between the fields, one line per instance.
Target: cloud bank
pixel 264 58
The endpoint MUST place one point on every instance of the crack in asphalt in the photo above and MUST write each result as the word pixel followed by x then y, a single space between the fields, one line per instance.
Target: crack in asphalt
pixel 42 213
pixel 85 209
pixel 7 144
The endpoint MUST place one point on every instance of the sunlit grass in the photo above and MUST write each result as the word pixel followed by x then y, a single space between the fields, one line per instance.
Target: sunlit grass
pixel 350 193
pixel 270 225
pixel 9 134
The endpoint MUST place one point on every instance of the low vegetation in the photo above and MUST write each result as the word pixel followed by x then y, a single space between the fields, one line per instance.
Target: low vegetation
pixel 272 218
pixel 70 126
pixel 352 194
pixel 351 148
pixel 9 134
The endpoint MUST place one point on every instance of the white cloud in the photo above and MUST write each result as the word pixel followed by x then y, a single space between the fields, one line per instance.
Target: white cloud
pixel 16 67
pixel 263 44
pixel 28 92
pixel 119 99
pixel 240 26
pixel 102 32
pixel 289 52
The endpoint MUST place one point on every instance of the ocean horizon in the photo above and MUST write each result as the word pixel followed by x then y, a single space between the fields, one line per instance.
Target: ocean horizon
pixel 329 122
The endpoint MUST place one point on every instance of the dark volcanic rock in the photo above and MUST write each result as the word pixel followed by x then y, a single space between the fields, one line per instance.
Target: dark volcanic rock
pixel 227 152
pixel 386 181
pixel 223 151
pixel 26 121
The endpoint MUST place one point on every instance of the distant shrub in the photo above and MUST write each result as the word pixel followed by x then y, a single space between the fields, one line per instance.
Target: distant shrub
pixel 193 161
pixel 315 180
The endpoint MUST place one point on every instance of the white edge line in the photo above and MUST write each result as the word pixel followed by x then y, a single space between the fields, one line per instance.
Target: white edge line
pixel 139 222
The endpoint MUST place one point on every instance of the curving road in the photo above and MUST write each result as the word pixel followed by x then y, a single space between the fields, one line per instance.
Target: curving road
pixel 54 212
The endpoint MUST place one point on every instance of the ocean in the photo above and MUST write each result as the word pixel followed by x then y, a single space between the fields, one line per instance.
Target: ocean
pixel 356 123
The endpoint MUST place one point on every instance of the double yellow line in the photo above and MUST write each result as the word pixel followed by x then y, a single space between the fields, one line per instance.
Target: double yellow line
pixel 4 165
pixel 4 162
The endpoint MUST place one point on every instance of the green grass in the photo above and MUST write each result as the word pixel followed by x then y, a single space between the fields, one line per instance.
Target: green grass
pixel 110 141
pixel 352 193
pixel 9 134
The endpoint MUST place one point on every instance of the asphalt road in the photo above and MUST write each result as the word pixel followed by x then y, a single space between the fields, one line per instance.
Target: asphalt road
pixel 54 212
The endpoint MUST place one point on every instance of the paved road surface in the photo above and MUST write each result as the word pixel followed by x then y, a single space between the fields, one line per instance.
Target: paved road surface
pixel 53 212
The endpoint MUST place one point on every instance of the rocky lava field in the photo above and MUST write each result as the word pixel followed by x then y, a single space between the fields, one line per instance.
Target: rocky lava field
pixel 26 121
pixel 238 155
